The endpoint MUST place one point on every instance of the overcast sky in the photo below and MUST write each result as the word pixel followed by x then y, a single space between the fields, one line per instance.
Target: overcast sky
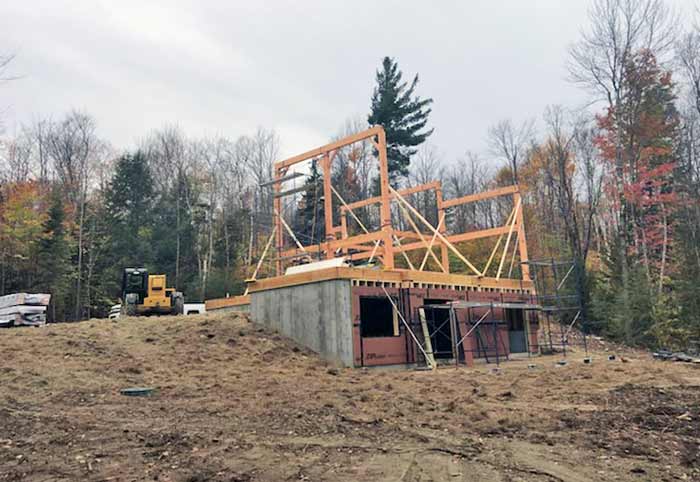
pixel 302 68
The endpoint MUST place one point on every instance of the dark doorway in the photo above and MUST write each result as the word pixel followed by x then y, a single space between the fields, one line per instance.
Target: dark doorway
pixel 515 317
pixel 377 318
pixel 438 320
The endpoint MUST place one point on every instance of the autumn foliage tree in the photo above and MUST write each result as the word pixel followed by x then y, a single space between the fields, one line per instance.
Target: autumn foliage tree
pixel 642 172
pixel 637 142
pixel 22 213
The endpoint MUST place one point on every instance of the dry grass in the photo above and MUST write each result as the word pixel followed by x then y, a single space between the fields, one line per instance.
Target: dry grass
pixel 235 402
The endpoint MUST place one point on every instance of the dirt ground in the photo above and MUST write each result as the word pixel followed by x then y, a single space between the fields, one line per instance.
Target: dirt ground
pixel 237 403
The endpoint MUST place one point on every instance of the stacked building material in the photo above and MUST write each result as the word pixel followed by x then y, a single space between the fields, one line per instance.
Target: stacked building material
pixel 115 311
pixel 23 309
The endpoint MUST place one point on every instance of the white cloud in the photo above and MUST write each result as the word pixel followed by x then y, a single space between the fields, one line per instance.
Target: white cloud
pixel 222 67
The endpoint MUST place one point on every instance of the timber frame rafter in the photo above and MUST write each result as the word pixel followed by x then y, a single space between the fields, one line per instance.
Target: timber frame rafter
pixel 387 242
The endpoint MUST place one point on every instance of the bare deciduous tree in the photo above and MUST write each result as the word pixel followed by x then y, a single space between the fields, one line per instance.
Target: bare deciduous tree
pixel 510 142
pixel 574 176
pixel 426 166
pixel 165 150
pixel 260 152
pixel 39 132
pixel 618 29
pixel 235 200
pixel 688 54
pixel 588 178
pixel 74 148
pixel 468 175
pixel 208 158
pixel 17 165
pixel 263 150
pixel 72 143
pixel 5 61
pixel 688 51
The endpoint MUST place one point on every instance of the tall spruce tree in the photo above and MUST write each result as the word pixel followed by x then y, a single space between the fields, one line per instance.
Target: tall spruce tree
pixel 129 199
pixel 53 259
pixel 403 115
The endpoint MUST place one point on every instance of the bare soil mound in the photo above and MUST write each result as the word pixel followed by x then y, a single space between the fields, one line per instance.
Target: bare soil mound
pixel 234 402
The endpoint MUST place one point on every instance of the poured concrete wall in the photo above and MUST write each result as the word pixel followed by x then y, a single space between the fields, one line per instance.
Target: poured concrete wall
pixel 315 315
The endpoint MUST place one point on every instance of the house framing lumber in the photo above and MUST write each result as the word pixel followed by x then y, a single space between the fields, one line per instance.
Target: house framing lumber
pixel 387 241
pixel 352 311
pixel 396 278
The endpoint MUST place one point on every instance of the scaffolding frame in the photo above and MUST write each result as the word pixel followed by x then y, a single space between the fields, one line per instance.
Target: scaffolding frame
pixel 487 321
pixel 559 293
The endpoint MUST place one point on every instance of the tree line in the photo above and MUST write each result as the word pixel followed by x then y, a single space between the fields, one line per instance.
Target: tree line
pixel 75 212
pixel 614 184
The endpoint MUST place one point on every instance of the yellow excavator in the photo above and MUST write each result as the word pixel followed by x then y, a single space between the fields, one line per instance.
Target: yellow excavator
pixel 146 294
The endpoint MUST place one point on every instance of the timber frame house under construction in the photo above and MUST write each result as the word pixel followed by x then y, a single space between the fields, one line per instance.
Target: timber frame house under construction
pixel 351 303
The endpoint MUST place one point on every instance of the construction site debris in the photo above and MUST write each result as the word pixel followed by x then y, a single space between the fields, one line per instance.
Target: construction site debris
pixel 666 355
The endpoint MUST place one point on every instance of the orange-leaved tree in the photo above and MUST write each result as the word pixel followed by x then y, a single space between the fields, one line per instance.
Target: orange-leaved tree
pixel 638 141
pixel 22 214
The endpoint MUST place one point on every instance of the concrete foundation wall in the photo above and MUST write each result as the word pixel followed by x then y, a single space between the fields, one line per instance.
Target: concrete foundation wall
pixel 316 315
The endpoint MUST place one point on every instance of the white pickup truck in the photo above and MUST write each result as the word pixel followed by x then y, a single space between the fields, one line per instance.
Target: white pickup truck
pixel 190 309
pixel 195 309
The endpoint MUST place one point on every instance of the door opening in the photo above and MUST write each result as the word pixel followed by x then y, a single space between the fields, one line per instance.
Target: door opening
pixel 515 317
pixel 438 320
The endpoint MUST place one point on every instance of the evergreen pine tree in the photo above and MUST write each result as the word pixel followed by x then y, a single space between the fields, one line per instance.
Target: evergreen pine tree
pixel 309 223
pixel 402 114
pixel 129 199
pixel 174 224
pixel 53 259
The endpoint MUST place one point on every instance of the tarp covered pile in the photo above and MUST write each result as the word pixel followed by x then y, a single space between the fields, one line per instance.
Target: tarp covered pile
pixel 23 309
